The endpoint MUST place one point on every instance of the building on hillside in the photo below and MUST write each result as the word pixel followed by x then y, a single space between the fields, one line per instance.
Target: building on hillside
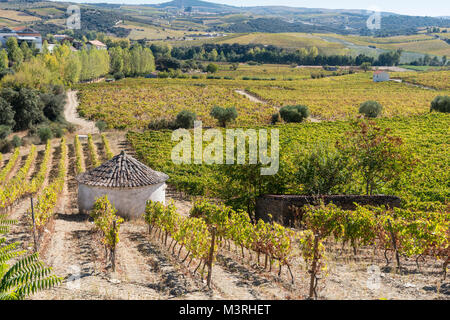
pixel 97 45
pixel 63 37
pixel 128 183
pixel 380 76
pixel 29 35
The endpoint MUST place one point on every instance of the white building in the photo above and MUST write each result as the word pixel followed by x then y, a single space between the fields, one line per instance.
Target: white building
pixel 128 183
pixel 380 76
pixel 28 35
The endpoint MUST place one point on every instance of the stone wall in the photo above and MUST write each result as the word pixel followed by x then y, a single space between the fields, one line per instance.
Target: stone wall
pixel 129 202
pixel 279 205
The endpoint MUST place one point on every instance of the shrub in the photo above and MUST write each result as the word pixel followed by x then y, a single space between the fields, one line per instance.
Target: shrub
pixel 6 146
pixel 212 68
pixel 58 132
pixel 101 125
pixel 4 131
pixel 163 75
pixel 441 104
pixel 370 109
pixel 275 118
pixel 294 113
pixel 45 134
pixel 323 171
pixel 16 141
pixel 71 128
pixel 224 115
pixel 185 119
pixel 119 75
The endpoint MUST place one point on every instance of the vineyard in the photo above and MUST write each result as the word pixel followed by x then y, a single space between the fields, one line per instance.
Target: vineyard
pixel 426 136
pixel 436 79
pixel 340 97
pixel 134 103
pixel 180 249
pixel 196 246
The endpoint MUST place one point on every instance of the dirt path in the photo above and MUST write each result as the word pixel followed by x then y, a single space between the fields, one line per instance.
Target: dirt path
pixel 413 84
pixel 71 115
pixel 250 96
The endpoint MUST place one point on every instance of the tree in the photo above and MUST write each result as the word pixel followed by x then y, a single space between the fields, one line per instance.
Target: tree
pixel 185 119
pixel 294 113
pixel 166 63
pixel 366 66
pixel 45 134
pixel 224 115
pixel 323 171
pixel 26 51
pixel 54 103
pixel 4 62
pixel 212 68
pixel 27 105
pixel 370 109
pixel 241 185
pixel 441 104
pixel 5 131
pixel 15 55
pixel 6 113
pixel 378 157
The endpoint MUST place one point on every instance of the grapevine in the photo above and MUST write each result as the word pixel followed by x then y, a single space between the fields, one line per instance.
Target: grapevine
pixel 108 224
pixel 109 153
pixel 48 198
pixel 11 163
pixel 78 155
pixel 93 152
pixel 15 188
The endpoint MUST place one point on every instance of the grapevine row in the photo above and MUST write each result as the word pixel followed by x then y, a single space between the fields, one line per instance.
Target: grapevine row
pixel 37 182
pixel 48 199
pixel 93 152
pixel 192 234
pixel 15 188
pixel 109 153
pixel 78 155
pixel 11 163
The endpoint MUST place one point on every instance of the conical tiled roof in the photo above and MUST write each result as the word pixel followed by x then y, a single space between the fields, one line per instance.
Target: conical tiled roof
pixel 122 171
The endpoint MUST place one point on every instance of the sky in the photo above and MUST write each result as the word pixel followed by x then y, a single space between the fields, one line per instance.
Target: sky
pixel 409 7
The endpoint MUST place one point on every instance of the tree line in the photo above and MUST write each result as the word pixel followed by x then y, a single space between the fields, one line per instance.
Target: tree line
pixel 275 55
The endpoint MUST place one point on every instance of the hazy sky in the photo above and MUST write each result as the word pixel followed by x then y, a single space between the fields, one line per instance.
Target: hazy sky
pixel 411 7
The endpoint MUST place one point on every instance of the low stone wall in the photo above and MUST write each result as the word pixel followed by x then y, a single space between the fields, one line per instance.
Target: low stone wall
pixel 279 205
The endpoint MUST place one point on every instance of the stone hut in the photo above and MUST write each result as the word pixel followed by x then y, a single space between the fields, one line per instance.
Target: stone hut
pixel 380 76
pixel 128 183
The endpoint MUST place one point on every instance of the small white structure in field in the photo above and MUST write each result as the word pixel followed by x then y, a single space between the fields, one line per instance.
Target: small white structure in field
pixel 380 76
pixel 128 183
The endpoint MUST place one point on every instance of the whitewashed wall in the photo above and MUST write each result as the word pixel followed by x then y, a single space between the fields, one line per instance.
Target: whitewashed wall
pixel 130 203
